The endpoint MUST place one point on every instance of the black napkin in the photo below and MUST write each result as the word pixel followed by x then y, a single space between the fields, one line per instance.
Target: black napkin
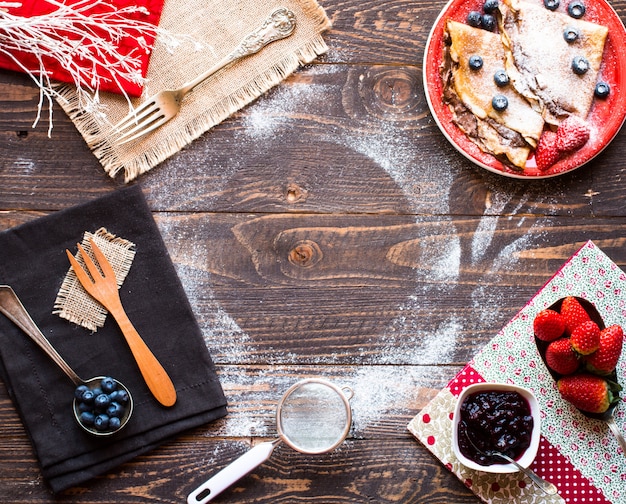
pixel 33 262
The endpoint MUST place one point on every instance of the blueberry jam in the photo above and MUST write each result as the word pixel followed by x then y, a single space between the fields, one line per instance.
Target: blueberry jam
pixel 494 420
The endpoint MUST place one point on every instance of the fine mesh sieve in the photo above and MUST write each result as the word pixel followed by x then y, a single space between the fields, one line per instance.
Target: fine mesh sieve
pixel 312 417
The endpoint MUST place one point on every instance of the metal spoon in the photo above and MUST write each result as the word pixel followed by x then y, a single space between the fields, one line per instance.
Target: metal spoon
pixel 609 419
pixel 542 484
pixel 12 307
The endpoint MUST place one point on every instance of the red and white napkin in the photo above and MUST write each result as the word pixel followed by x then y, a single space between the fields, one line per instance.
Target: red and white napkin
pixel 150 13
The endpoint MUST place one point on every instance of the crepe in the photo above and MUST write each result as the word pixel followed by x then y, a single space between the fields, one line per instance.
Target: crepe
pixel 539 59
pixel 511 133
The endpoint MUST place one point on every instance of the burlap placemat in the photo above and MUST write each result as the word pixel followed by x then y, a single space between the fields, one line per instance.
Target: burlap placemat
pixel 218 26
pixel 72 302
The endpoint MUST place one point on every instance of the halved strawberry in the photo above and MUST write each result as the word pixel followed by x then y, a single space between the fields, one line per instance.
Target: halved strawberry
pixel 573 313
pixel 585 338
pixel 561 358
pixel 604 360
pixel 548 325
pixel 588 392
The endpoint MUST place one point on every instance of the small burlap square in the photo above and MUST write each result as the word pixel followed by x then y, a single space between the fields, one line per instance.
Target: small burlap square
pixel 218 26
pixel 72 302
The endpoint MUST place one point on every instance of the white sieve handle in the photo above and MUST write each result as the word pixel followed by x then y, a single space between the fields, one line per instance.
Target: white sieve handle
pixel 232 473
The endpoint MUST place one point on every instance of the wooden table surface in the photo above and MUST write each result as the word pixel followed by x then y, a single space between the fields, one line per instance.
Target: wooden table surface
pixel 328 229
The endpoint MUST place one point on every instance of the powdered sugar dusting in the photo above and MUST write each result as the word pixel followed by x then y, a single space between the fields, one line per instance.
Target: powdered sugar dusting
pixel 385 392
pixel 406 342
pixel 285 104
pixel 219 329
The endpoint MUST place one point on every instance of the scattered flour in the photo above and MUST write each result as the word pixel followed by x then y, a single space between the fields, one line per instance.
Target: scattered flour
pixel 219 329
pixel 384 392
pixel 406 342
pixel 24 166
pixel 285 104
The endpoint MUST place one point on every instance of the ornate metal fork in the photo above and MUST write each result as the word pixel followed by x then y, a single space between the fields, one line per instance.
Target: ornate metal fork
pixel 164 105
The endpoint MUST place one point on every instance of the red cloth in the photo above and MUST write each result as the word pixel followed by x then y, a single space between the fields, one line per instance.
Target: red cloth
pixel 31 8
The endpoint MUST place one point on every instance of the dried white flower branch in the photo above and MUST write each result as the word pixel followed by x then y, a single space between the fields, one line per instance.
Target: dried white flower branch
pixel 83 43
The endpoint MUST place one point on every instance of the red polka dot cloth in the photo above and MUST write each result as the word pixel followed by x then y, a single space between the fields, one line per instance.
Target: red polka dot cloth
pixel 138 43
pixel 578 454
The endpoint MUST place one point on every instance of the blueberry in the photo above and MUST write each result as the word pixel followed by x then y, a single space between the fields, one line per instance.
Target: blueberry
pixel 102 402
pixel 571 34
pixel 501 78
pixel 500 103
pixel 576 9
pixel 79 391
pixel 475 19
pixel 84 407
pixel 101 422
pixel 489 22
pixel 115 410
pixel 88 397
pixel 96 391
pixel 120 396
pixel 475 62
pixel 580 65
pixel 551 4
pixel 602 89
pixel 490 6
pixel 108 385
pixel 114 423
pixel 87 418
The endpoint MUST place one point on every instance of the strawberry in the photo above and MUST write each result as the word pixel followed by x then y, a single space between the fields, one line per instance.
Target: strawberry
pixel 588 392
pixel 547 153
pixel 572 134
pixel 561 358
pixel 548 325
pixel 573 314
pixel 604 360
pixel 585 338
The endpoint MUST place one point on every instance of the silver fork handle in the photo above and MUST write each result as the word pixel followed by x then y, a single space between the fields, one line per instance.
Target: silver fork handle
pixel 280 24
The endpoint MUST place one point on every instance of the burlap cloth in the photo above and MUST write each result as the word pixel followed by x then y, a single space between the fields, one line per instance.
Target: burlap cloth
pixel 72 302
pixel 219 26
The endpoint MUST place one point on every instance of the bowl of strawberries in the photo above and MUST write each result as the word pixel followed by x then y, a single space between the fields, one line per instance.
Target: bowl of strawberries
pixel 581 354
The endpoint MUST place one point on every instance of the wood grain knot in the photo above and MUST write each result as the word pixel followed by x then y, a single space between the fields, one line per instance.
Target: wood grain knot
pixel 390 93
pixel 305 254
pixel 295 194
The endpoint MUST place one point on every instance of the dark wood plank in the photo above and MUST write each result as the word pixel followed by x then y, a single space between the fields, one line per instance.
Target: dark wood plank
pixel 383 155
pixel 461 278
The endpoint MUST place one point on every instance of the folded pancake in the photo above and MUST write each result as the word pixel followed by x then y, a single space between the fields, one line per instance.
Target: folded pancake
pixel 509 134
pixel 539 59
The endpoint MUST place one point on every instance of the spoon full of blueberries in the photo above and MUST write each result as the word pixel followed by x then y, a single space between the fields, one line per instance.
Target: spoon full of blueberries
pixel 102 405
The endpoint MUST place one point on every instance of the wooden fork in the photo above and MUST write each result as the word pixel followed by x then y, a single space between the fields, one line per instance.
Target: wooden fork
pixel 103 288
pixel 164 105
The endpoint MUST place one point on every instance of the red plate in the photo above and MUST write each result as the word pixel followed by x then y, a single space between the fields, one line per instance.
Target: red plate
pixel 606 116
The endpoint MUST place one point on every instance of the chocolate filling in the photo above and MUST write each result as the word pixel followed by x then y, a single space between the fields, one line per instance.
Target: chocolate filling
pixel 466 121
